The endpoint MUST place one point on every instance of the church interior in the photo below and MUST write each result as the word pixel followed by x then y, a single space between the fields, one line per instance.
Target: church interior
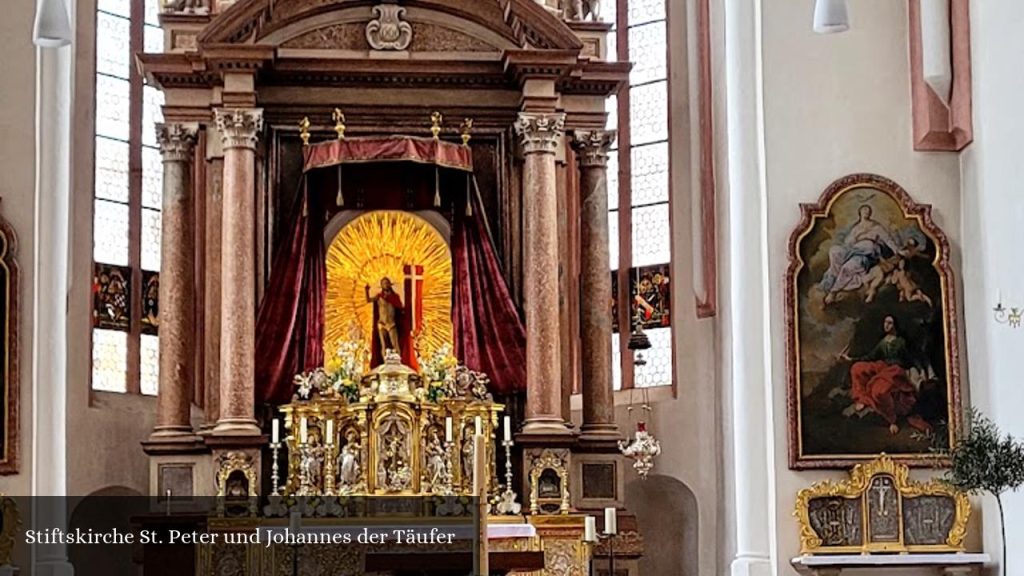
pixel 651 287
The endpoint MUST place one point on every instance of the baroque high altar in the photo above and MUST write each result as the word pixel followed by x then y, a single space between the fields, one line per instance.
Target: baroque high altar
pixel 385 227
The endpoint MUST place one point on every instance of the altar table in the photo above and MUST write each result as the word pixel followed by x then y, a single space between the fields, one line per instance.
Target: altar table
pixel 945 564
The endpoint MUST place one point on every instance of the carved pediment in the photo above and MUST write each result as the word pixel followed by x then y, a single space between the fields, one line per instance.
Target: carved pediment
pixel 425 37
pixel 446 25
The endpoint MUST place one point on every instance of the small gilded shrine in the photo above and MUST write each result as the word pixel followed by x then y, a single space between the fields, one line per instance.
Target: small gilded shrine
pixel 390 431
pixel 880 509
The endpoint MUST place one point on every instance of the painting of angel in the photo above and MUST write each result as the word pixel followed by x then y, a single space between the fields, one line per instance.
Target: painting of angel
pixel 871 326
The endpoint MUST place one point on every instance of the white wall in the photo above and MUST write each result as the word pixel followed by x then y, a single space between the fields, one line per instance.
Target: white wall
pixel 993 234
pixel 17 189
pixel 834 105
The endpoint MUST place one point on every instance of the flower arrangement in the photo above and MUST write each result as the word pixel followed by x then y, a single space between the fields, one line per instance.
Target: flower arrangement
pixel 340 375
pixel 439 373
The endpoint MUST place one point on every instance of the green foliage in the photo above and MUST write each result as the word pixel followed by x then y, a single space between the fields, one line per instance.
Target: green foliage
pixel 984 460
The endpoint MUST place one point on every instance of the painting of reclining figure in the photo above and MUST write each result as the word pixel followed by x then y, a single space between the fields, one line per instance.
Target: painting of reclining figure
pixel 871 329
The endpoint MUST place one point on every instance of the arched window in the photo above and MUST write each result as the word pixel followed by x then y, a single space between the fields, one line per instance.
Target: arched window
pixel 638 189
pixel 127 197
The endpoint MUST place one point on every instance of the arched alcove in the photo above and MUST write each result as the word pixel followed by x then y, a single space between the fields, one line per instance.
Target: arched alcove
pixel 103 511
pixel 666 511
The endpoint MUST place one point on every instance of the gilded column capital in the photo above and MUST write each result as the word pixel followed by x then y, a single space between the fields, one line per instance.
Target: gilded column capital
pixel 592 146
pixel 176 140
pixel 239 127
pixel 540 132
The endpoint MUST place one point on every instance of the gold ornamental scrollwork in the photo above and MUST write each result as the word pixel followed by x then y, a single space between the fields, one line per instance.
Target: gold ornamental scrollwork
pixel 553 461
pixel 862 497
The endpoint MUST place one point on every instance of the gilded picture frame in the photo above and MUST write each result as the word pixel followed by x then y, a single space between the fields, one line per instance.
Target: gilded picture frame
pixel 10 383
pixel 871 329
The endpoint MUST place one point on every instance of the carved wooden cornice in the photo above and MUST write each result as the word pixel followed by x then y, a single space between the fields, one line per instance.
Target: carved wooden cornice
pixel 408 73
pixel 175 70
pixel 237 57
pixel 596 78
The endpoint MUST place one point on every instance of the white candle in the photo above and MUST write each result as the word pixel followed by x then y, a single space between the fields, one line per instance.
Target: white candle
pixel 610 521
pixel 330 432
pixel 478 426
pixel 303 431
pixel 447 428
pixel 479 466
pixel 295 521
pixel 590 529
pixel 999 296
pixel 508 428
pixel 275 432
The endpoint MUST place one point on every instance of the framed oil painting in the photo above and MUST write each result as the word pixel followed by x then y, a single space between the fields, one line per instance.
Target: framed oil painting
pixel 9 382
pixel 871 329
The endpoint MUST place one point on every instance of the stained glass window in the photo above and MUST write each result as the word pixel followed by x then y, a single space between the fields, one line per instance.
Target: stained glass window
pixel 638 195
pixel 128 187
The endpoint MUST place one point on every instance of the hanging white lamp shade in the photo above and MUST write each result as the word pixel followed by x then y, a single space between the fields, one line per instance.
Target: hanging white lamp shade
pixel 830 16
pixel 52 27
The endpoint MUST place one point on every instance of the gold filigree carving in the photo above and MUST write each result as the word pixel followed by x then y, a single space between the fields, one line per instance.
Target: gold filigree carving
pixel 857 490
pixel 550 466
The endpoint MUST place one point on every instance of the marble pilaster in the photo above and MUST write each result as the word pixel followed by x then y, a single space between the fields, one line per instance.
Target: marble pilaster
pixel 239 130
pixel 541 134
pixel 211 285
pixel 177 282
pixel 591 148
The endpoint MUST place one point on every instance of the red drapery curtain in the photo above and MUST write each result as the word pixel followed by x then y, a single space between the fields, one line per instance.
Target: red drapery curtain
pixel 489 335
pixel 290 324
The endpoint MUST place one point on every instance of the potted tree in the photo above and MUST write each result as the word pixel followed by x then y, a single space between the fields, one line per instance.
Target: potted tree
pixel 985 460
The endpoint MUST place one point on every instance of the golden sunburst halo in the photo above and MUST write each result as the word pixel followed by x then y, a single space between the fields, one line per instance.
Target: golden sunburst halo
pixel 379 244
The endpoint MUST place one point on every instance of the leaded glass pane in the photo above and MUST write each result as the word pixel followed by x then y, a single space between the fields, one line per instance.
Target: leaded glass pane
pixel 649 173
pixel 648 111
pixel 119 7
pixel 149 365
pixel 151 227
pixel 611 106
pixel 608 10
pixel 113 41
pixel 647 52
pixel 152 11
pixel 152 177
pixel 112 103
pixel 109 360
pixel 616 363
pixel 613 180
pixel 652 241
pixel 613 239
pixel 153 40
pixel 658 369
pixel 641 11
pixel 152 114
pixel 111 169
pixel 110 233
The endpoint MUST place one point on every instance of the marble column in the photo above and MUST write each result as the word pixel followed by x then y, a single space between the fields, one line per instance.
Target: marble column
pixel 211 318
pixel 239 130
pixel 591 148
pixel 177 282
pixel 541 134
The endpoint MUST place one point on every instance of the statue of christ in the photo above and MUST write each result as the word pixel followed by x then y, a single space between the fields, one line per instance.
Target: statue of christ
pixel 389 321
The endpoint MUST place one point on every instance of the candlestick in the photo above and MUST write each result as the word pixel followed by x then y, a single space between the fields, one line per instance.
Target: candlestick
pixel 508 428
pixel 507 503
pixel 275 473
pixel 478 426
pixel 590 529
pixel 610 521
pixel 275 432
pixel 303 431
pixel 447 428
